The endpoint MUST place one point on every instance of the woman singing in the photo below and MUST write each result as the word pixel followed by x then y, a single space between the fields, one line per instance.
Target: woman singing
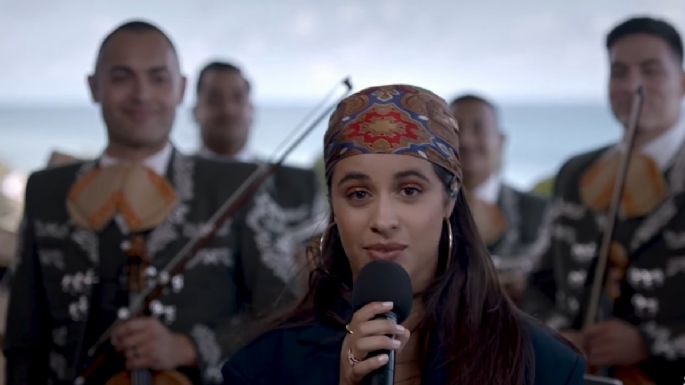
pixel 394 182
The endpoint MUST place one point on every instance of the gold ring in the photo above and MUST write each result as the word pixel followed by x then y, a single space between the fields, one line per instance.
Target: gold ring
pixel 347 327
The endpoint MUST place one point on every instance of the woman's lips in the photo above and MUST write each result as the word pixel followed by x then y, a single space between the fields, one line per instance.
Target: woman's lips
pixel 385 251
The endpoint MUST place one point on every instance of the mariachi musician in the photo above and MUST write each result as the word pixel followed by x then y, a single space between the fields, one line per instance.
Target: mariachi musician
pixel 508 220
pixel 82 220
pixel 644 323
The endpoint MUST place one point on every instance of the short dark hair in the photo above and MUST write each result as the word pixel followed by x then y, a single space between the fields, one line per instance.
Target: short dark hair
pixel 476 98
pixel 472 98
pixel 220 66
pixel 650 26
pixel 136 26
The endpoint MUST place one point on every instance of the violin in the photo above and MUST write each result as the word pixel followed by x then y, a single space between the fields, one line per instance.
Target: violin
pixel 138 304
pixel 137 264
pixel 612 260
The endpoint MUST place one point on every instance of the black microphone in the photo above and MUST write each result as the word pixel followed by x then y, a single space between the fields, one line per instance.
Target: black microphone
pixel 381 281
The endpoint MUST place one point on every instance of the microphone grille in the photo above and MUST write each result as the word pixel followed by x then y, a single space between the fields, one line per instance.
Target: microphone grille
pixel 381 281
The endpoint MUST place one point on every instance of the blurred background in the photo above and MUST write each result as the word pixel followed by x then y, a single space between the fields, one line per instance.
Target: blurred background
pixel 543 62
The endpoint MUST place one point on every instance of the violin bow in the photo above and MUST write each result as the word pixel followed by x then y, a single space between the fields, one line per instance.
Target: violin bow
pixel 614 206
pixel 232 205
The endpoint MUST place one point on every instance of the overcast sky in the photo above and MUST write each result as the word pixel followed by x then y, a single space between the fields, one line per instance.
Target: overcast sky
pixel 296 50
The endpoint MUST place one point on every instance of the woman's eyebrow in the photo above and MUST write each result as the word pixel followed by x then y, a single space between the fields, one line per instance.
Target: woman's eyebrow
pixel 353 176
pixel 408 173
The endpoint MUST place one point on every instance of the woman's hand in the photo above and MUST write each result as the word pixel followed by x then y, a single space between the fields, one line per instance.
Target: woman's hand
pixel 366 335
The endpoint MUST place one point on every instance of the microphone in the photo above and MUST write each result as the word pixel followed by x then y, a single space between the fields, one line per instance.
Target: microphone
pixel 381 281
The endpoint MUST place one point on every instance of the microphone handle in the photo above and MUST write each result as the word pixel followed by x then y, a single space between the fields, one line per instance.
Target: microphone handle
pixel 385 375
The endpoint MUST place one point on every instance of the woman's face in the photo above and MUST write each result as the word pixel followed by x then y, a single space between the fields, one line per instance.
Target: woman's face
pixel 390 207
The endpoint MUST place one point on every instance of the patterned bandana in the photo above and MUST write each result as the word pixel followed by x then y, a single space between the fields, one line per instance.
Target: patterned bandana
pixel 394 119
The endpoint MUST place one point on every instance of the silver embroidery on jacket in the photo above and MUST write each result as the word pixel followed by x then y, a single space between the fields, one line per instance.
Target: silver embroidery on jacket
pixel 88 241
pixel 674 240
pixel 583 252
pixel 49 229
pixel 78 310
pixel 664 344
pixel 278 233
pixel 211 257
pixel 209 351
pixel 58 365
pixel 645 307
pixel 79 282
pixel 564 233
pixel 648 279
pixel 570 210
pixel 59 336
pixel 52 257
pixel 576 278
pixel 675 265
pixel 654 222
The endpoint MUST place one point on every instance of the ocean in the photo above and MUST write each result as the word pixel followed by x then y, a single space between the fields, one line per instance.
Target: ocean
pixel 539 136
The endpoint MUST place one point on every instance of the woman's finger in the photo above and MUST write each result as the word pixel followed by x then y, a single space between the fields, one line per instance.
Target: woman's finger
pixel 369 311
pixel 365 345
pixel 379 327
pixel 362 368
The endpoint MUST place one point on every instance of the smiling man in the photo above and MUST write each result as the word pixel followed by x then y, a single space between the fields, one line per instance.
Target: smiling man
pixel 83 221
pixel 643 327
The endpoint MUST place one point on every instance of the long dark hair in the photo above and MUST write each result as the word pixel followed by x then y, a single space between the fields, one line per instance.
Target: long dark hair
pixel 478 328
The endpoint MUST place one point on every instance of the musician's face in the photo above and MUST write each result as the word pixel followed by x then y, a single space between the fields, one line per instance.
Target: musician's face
pixel 480 140
pixel 138 85
pixel 224 111
pixel 390 207
pixel 646 60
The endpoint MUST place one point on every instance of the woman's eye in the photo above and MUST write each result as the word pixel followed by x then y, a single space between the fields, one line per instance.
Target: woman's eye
pixel 410 191
pixel 358 194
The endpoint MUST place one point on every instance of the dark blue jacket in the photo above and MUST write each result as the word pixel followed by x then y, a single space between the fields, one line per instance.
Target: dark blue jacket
pixel 310 355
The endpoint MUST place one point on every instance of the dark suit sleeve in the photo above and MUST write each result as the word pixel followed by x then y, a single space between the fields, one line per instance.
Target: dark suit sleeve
pixel 217 339
pixel 539 299
pixel 533 210
pixel 260 292
pixel 27 319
